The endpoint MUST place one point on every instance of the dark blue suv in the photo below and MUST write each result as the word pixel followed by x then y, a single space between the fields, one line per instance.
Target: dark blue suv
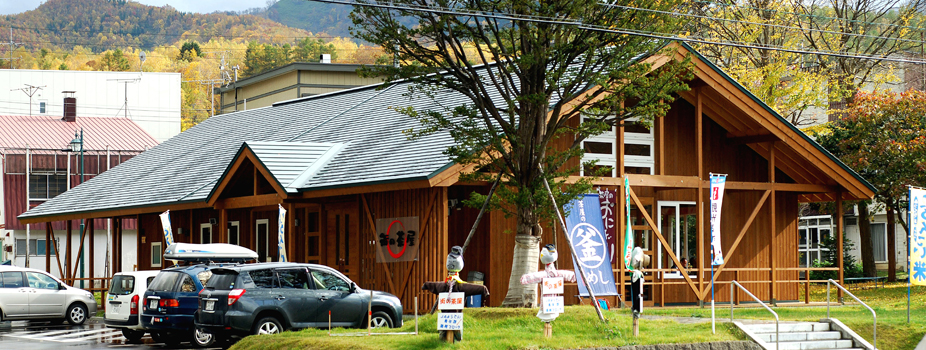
pixel 170 302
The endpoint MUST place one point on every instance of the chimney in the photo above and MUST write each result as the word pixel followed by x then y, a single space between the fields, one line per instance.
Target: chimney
pixel 70 106
pixel 325 58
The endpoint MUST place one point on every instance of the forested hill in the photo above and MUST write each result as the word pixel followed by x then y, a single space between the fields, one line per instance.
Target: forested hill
pixel 104 24
pixel 316 17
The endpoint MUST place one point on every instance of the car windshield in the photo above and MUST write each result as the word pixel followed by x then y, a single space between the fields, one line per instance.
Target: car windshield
pixel 166 281
pixel 122 285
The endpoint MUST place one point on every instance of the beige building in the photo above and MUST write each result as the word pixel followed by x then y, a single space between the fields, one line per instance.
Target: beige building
pixel 288 82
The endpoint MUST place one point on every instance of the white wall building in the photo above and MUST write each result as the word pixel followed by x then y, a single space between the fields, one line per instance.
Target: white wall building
pixel 153 99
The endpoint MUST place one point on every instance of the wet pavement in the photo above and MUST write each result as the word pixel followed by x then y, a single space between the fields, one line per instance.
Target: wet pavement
pixel 92 335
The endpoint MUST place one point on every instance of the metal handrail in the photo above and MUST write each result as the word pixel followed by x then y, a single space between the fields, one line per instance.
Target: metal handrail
pixel 732 290
pixel 874 316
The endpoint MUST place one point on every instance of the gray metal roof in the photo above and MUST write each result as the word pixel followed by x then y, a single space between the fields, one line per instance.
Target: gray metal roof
pixel 186 168
pixel 294 163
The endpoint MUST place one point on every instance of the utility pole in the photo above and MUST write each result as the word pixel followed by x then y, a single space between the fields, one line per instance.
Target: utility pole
pixel 29 90
pixel 11 44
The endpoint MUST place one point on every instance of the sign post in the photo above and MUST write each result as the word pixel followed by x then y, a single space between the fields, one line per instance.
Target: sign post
pixel 450 323
pixel 717 184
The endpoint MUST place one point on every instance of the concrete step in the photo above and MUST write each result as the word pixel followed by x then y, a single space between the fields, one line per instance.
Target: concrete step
pixel 815 344
pixel 788 327
pixel 800 336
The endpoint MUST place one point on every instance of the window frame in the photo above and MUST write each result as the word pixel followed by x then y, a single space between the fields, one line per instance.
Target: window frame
pixel 678 243
pixel 202 229
pixel 884 235
pixel 34 248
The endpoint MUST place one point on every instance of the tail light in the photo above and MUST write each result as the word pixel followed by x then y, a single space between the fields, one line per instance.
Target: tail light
pixel 168 303
pixel 234 295
pixel 134 305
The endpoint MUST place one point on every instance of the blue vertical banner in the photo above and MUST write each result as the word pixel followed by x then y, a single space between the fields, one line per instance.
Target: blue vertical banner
pixel 281 243
pixel 165 224
pixel 917 237
pixel 717 184
pixel 590 244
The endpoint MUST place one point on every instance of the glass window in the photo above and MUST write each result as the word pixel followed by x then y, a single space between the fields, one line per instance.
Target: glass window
pixel 264 278
pixel 165 281
pixel 156 254
pixel 46 186
pixel 879 241
pixel 329 281
pixel 678 223
pixel 41 281
pixel 12 279
pixel 811 230
pixel 42 106
pixel 223 281
pixel 122 285
pixel 293 279
pixel 36 247
pixel 187 284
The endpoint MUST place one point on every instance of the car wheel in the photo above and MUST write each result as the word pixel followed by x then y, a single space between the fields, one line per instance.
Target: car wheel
pixel 381 320
pixel 203 338
pixel 157 337
pixel 132 335
pixel 171 339
pixel 77 314
pixel 268 325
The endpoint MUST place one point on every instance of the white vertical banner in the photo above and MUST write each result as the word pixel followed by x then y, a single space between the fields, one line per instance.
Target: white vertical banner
pixel 281 242
pixel 917 237
pixel 717 183
pixel 168 234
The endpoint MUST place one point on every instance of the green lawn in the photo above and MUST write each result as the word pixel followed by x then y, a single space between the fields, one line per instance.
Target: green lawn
pixel 579 327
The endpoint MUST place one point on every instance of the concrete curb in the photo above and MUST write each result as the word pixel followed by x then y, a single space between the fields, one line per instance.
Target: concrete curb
pixel 725 345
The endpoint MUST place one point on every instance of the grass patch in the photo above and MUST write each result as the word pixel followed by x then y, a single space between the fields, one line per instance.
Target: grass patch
pixel 579 327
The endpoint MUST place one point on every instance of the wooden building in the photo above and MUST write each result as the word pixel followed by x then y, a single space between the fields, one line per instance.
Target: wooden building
pixel 338 163
pixel 294 80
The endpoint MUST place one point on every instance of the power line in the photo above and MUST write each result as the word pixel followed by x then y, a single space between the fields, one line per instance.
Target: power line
pixel 653 35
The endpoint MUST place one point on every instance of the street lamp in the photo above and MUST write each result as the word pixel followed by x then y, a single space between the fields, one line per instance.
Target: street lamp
pixel 77 145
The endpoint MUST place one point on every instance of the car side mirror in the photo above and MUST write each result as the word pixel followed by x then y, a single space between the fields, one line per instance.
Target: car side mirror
pixel 353 287
pixel 61 286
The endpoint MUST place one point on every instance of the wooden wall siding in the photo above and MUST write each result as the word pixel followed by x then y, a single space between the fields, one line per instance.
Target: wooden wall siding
pixel 408 277
pixel 460 221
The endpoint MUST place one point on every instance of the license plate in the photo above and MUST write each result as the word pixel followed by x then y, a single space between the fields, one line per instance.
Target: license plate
pixel 210 305
pixel 115 307
pixel 153 304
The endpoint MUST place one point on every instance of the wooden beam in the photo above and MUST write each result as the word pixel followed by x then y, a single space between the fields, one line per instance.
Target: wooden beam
pixel 248 201
pixel 670 253
pixel 91 227
pixel 48 247
pixel 67 255
pixel 223 227
pixel 379 252
pixel 839 238
pixel 80 249
pixel 396 186
pixel 745 140
pixel 115 212
pixel 736 243
pixel 291 232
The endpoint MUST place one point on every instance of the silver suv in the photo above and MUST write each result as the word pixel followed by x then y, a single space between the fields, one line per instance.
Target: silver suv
pixel 30 294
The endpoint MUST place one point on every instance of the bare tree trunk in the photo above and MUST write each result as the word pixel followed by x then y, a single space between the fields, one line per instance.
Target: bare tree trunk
pixel 526 259
pixel 864 244
pixel 891 254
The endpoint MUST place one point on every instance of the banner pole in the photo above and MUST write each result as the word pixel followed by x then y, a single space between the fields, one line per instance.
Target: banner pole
pixel 909 261
pixel 571 251
pixel 713 326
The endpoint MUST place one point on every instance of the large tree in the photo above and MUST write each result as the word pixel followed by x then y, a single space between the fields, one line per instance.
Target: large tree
pixel 883 137
pixel 550 62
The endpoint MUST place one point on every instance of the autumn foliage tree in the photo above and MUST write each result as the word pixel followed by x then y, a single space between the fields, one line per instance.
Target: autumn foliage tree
pixel 883 137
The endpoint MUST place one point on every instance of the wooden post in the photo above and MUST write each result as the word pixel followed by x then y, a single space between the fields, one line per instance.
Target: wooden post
pixel 547 330
pixel 636 325
pixel 91 255
pixel 66 274
pixel 699 131
pixel 47 247
pixel 839 237
pixel 773 264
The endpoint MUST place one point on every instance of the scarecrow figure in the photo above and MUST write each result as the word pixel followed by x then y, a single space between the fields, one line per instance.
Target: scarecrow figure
pixel 453 283
pixel 548 256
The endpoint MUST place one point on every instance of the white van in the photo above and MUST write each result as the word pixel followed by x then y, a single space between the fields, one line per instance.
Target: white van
pixel 124 302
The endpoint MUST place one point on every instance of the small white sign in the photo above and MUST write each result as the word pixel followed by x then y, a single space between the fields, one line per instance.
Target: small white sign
pixel 450 321
pixel 553 305
pixel 450 301
pixel 552 285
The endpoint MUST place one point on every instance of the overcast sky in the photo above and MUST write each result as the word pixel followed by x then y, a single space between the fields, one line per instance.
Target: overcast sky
pixel 200 6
